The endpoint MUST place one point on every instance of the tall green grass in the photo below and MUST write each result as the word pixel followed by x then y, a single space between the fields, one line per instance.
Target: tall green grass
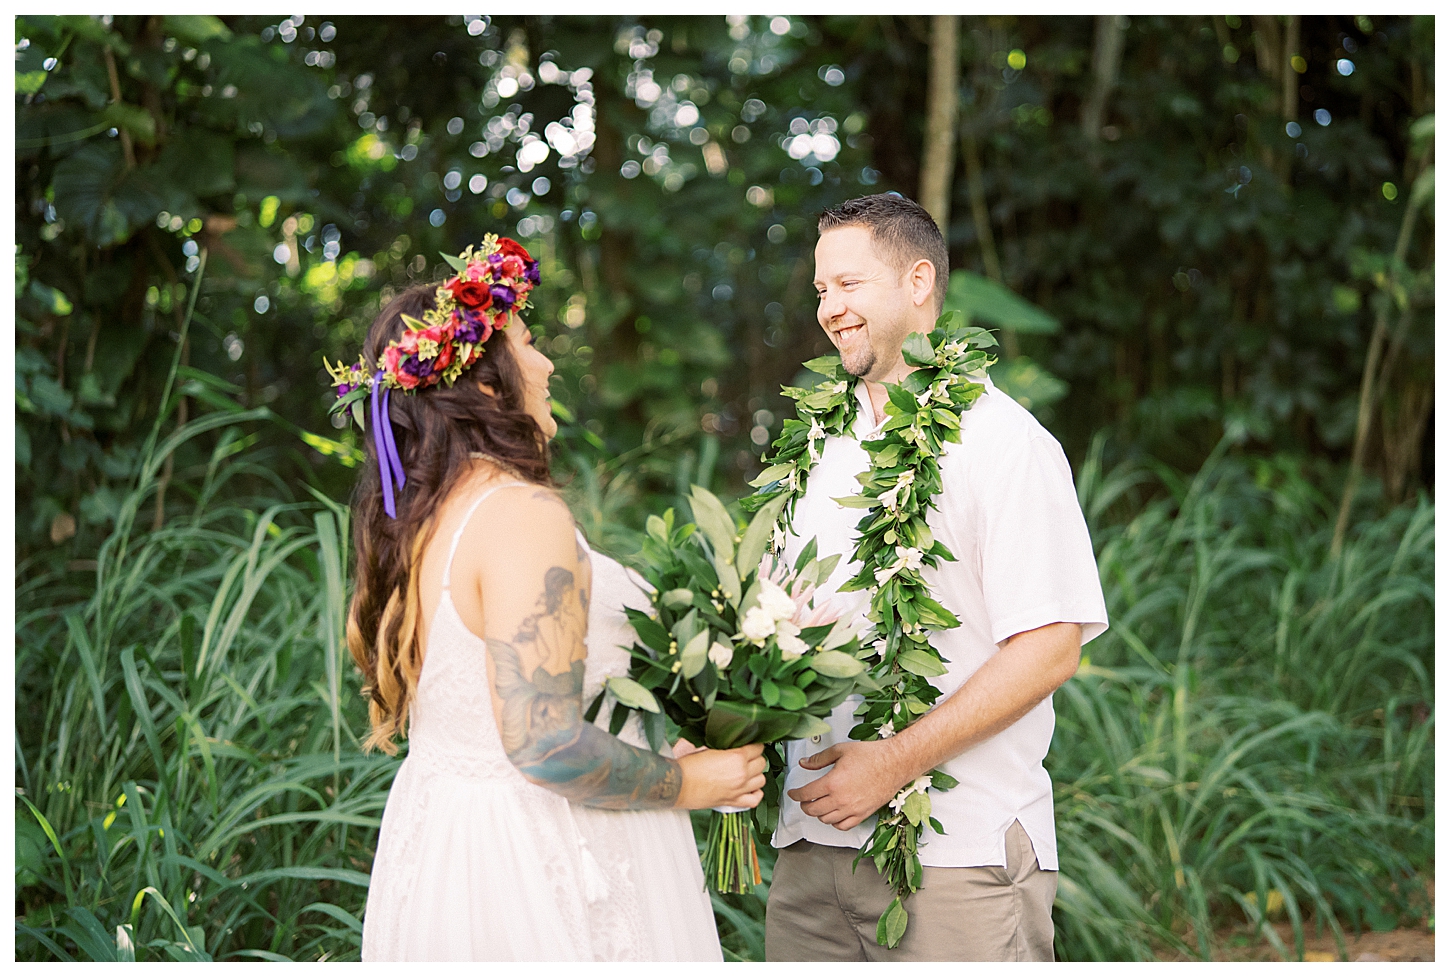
pixel 1253 738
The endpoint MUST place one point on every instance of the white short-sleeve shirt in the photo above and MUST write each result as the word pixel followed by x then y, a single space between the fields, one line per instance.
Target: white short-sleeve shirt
pixel 1009 513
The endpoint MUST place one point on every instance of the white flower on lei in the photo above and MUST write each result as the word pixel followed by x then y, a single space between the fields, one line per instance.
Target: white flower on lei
pixel 886 730
pixel 787 638
pixel 907 558
pixel 816 434
pixel 890 498
pixel 917 786
pixel 758 625
pixel 720 654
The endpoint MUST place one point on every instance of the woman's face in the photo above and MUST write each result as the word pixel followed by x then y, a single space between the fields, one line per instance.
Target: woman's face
pixel 536 369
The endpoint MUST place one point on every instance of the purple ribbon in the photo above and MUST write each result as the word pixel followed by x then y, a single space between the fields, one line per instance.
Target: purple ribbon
pixel 390 466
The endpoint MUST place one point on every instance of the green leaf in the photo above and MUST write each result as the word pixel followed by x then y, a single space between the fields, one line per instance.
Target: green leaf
pixel 855 501
pixel 770 692
pixel 917 807
pixel 655 526
pixel 891 927
pixel 455 262
pixel 826 366
pixel 920 663
pixel 809 726
pixel 731 724
pixel 841 633
pixel 1424 187
pixel 837 664
pixel 792 698
pixel 132 119
pixel 757 536
pixel 713 521
pixel 984 300
pixel 693 655
pixel 196 28
pixel 772 474
pixel 632 694
pixel 52 299
pixel 917 350
pixel 825 567
pixel 678 599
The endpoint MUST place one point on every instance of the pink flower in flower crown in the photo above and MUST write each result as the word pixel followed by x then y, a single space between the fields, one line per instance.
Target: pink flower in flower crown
pixel 392 359
pixel 512 266
pixel 476 270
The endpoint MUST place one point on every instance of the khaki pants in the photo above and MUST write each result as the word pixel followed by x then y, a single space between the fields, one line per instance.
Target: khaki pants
pixel 819 910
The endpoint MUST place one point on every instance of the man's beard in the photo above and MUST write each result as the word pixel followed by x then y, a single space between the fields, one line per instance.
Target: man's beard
pixel 859 362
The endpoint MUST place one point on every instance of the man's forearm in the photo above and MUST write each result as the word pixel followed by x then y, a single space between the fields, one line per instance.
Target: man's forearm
pixel 1028 668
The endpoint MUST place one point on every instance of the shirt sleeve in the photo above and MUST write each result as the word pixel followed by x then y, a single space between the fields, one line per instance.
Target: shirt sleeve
pixel 1037 557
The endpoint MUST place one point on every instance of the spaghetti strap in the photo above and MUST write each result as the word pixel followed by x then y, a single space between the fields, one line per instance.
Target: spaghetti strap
pixel 458 533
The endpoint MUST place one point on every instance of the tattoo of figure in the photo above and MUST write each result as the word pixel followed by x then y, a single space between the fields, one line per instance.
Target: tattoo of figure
pixel 539 679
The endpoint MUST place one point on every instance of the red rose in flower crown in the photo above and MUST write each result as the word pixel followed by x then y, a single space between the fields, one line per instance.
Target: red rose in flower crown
pixel 473 294
pixel 510 248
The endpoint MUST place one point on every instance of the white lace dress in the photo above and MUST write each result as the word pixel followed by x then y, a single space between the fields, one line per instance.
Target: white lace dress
pixel 476 863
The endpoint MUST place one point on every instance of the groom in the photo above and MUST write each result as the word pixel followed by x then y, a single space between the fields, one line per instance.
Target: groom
pixel 1025 587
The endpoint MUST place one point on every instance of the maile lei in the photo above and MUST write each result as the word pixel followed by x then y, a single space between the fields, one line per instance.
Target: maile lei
pixel 893 545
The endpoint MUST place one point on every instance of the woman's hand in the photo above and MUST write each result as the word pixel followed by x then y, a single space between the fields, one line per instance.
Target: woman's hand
pixel 722 778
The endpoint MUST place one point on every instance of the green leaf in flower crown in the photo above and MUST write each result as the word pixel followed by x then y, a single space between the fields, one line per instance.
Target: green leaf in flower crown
pixel 455 262
pixel 632 694
pixel 836 664
pixel 917 350
pixel 732 724
pixel 757 535
pixel 713 521
pixel 693 655
pixel 809 726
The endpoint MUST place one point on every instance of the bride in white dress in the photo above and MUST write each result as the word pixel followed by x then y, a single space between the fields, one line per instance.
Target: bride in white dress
pixel 513 829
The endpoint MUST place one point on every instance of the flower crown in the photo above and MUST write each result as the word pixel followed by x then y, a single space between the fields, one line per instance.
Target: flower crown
pixel 493 282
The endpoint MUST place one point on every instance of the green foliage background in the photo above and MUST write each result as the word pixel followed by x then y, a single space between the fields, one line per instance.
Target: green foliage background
pixel 1206 276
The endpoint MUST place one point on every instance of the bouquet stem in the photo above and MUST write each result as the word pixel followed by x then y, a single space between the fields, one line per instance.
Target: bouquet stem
pixel 731 864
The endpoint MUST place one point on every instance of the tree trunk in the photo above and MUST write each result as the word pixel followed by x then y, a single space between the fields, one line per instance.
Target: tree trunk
pixel 937 157
pixel 1108 35
pixel 1370 383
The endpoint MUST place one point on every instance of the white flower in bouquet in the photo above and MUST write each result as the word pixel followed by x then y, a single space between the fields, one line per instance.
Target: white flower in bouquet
pixel 787 637
pixel 775 601
pixel 720 655
pixel 758 624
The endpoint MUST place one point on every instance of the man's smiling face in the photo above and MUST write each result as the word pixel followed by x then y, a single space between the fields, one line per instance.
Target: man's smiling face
pixel 865 305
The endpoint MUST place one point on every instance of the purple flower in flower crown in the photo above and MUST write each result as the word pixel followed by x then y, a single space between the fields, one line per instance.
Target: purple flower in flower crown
pixel 502 296
pixel 531 272
pixel 472 327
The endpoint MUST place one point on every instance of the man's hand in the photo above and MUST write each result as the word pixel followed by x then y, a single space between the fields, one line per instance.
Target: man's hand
pixel 866 776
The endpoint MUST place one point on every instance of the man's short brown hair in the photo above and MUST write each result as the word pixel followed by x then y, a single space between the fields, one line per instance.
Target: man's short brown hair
pixel 901 229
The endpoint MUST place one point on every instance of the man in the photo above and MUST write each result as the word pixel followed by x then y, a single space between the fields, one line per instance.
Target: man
pixel 1025 587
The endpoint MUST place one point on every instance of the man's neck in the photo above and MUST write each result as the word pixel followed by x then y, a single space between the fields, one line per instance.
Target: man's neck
pixel 876 389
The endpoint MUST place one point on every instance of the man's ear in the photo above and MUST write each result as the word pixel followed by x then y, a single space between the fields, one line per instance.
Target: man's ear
pixel 922 279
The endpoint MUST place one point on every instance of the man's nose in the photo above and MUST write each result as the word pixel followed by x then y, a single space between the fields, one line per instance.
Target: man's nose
pixel 832 306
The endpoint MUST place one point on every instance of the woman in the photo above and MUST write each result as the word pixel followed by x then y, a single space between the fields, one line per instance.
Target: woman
pixel 469 624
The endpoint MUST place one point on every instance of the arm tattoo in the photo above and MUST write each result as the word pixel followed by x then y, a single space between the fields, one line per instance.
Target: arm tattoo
pixel 542 723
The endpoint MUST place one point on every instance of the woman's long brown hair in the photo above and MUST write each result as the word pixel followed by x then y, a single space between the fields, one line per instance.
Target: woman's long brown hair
pixel 435 429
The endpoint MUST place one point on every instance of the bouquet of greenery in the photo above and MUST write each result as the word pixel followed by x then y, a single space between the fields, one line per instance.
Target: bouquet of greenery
pixel 733 651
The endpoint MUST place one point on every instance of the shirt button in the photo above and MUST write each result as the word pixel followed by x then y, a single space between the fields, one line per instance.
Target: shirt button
pixel 816 739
